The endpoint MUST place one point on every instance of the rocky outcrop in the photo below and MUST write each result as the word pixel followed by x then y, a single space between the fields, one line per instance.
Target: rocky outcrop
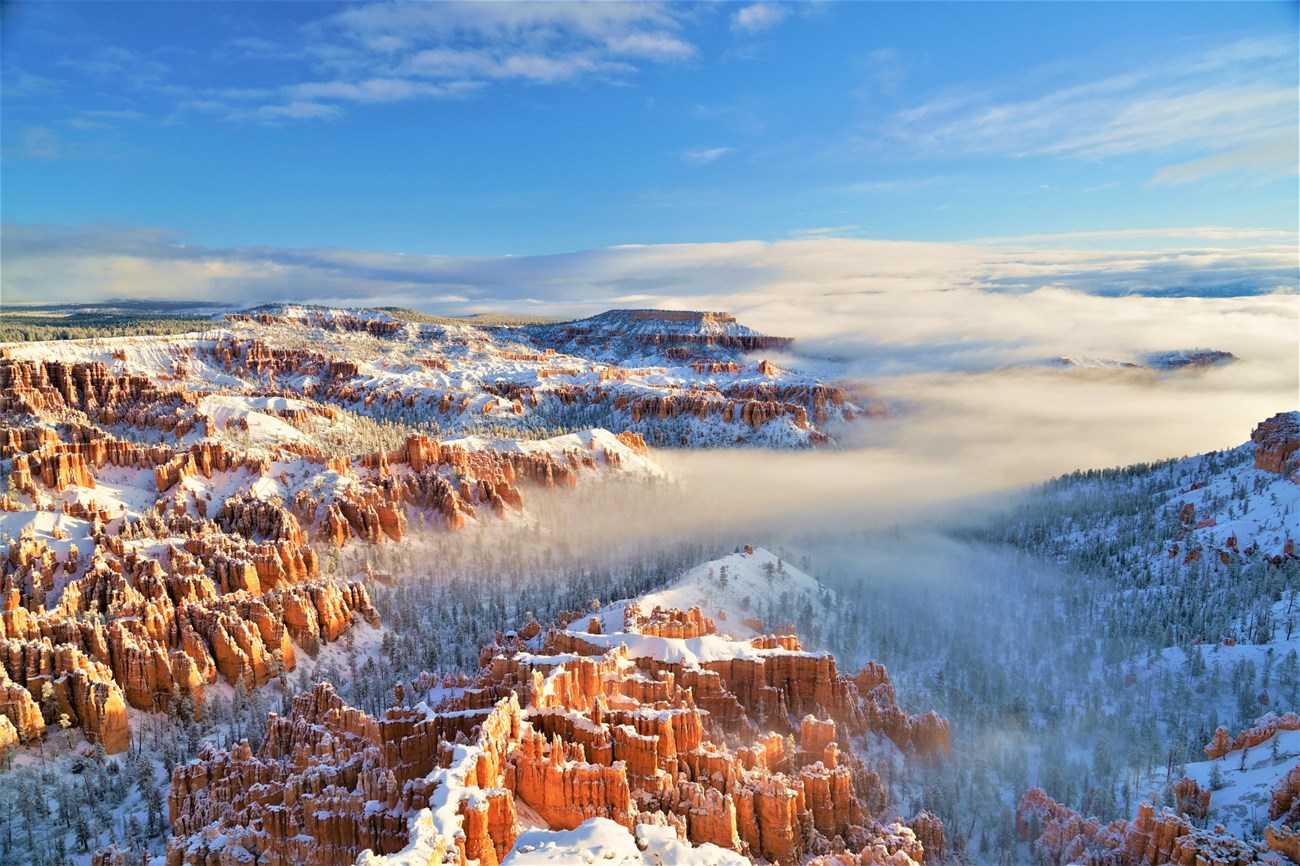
pixel 1285 802
pixel 1266 727
pixel 1276 442
pixel 1283 835
pixel 19 710
pixel 127 629
pixel 704 405
pixel 1190 800
pixel 9 738
pixel 572 730
pixel 53 387
pixel 69 683
pixel 1061 836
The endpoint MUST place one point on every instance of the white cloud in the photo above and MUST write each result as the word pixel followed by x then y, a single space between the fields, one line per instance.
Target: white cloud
pixel 390 52
pixel 48 263
pixel 297 110
pixel 892 185
pixel 376 90
pixel 395 52
pixel 758 17
pixel 1272 158
pixel 825 231
pixel 947 334
pixel 1215 233
pixel 1234 97
pixel 704 155
pixel 41 142
pixel 885 65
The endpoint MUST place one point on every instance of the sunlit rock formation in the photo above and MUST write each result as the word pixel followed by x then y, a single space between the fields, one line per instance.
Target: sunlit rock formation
pixel 1276 442
pixel 638 718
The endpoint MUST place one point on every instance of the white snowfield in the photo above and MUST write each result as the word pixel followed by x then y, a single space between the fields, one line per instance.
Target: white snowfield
pixel 251 413
pixel 602 842
pixel 60 531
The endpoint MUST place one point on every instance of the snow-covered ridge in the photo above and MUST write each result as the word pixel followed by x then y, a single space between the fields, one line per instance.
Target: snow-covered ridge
pixel 739 589
pixel 1167 361
pixel 678 379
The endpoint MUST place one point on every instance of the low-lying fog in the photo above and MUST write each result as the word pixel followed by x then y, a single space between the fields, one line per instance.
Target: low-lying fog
pixel 1030 659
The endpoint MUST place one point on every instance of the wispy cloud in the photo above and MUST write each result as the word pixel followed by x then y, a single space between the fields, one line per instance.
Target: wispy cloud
pixel 886 70
pixel 758 17
pixel 41 142
pixel 376 90
pixel 1263 160
pixel 1226 101
pixel 825 232
pixel 397 52
pixel 1200 233
pixel 890 186
pixel 288 111
pixel 704 155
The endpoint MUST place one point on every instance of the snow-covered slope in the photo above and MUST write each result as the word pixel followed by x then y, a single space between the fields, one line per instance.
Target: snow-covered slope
pixel 1241 782
pixel 748 593
pixel 1202 525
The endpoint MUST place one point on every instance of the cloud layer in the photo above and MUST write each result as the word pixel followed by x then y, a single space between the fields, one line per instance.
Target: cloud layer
pixel 881 306
pixel 951 336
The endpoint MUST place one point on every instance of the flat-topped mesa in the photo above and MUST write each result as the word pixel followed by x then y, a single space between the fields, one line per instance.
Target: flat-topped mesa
pixel 569 726
pixel 708 335
pixel 1276 442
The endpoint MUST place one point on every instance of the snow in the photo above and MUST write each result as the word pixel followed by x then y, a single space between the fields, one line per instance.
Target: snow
pixel 45 525
pixel 602 841
pixel 746 580
pixel 1260 508
pixel 264 430
pixel 747 586
pixel 595 440
pixel 1244 797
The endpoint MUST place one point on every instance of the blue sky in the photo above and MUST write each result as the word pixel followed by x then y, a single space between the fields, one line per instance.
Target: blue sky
pixel 501 129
